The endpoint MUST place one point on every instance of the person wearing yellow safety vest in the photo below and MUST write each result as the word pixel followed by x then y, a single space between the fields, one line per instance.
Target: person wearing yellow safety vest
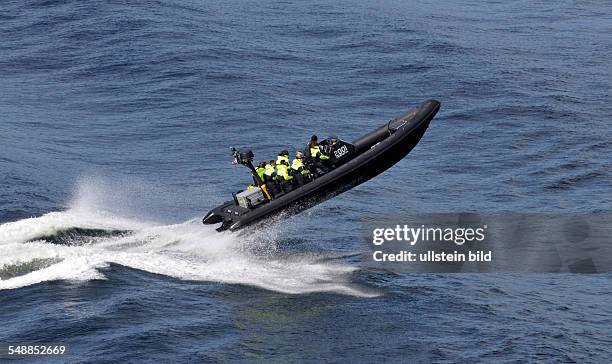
pixel 318 156
pixel 261 170
pixel 301 171
pixel 270 171
pixel 282 156
pixel 284 175
pixel 270 177
pixel 315 150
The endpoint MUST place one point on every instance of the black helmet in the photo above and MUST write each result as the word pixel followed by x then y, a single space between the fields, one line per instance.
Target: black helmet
pixel 284 152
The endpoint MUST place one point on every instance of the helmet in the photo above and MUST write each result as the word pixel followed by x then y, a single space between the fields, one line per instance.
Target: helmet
pixel 284 152
pixel 299 154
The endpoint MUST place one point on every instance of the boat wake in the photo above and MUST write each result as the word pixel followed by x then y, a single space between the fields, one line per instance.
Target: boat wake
pixel 74 245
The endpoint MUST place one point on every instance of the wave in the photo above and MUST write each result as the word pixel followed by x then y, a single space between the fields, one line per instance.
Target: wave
pixel 75 244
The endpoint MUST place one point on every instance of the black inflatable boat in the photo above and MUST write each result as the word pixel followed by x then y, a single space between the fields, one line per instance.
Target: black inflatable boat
pixel 354 163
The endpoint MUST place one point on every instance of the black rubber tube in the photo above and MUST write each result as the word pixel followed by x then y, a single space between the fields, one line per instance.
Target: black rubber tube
pixel 365 142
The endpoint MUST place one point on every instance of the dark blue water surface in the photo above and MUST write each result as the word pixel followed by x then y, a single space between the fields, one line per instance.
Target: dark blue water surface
pixel 115 123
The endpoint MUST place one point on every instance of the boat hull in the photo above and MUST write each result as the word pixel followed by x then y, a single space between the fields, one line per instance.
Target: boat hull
pixel 378 152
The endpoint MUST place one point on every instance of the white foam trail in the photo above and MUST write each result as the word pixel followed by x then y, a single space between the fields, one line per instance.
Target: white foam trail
pixel 187 251
pixel 72 264
pixel 54 222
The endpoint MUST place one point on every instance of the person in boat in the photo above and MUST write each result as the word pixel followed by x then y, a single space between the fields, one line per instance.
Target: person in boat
pixel 282 156
pixel 270 171
pixel 261 172
pixel 300 169
pixel 329 150
pixel 270 177
pixel 284 175
pixel 332 142
pixel 318 156
pixel 314 140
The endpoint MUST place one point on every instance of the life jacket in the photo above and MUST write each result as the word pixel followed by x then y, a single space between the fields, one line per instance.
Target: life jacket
pixel 261 171
pixel 270 171
pixel 280 158
pixel 298 164
pixel 314 150
pixel 283 171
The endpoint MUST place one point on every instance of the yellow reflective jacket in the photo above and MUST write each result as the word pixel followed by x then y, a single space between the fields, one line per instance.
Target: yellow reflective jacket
pixel 283 171
pixel 270 171
pixel 281 158
pixel 260 172
pixel 314 150
pixel 298 165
